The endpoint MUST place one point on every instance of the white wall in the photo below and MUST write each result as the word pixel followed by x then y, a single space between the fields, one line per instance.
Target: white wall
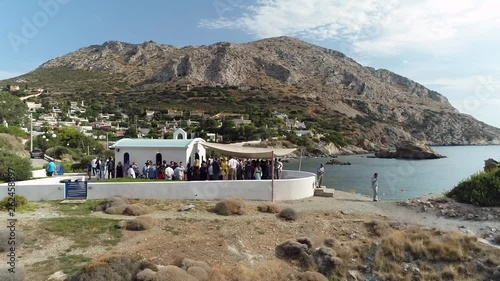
pixel 294 186
pixel 175 190
pixel 37 192
pixel 300 185
pixel 191 151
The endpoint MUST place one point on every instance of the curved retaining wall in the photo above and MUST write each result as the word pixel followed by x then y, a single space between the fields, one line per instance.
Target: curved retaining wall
pixel 295 185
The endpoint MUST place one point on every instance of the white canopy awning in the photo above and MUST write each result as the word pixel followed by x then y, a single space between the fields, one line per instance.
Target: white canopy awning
pixel 247 151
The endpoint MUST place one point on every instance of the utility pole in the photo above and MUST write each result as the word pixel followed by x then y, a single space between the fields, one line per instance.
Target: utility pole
pixel 31 131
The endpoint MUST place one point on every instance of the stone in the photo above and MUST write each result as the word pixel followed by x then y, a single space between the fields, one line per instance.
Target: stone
pixel 452 213
pixel 490 217
pixel 186 208
pixel 410 150
pixel 354 275
pixel 470 216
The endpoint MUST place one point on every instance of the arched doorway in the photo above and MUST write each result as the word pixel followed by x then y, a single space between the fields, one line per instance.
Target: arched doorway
pixel 126 158
pixel 158 159
pixel 180 136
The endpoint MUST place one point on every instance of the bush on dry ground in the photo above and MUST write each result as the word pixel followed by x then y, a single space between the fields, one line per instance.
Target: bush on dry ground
pixel 121 206
pixel 378 228
pixel 481 189
pixel 18 274
pixel 137 210
pixel 113 268
pixel 269 207
pixel 288 214
pixel 311 276
pixel 167 273
pixel 275 270
pixel 140 223
pixel 111 202
pixel 331 242
pixel 7 202
pixel 230 206
pixel 433 255
pixel 116 210
pixel 4 239
pixel 301 252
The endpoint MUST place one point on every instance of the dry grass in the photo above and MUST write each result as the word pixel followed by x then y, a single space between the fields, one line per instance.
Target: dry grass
pixel 141 223
pixel 174 205
pixel 111 202
pixel 137 210
pixel 116 210
pixel 270 271
pixel 269 207
pixel 230 206
pixel 311 276
pixel 433 250
pixel 378 228
pixel 167 273
pixel 110 268
pixel 288 214
pixel 4 239
pixel 6 275
pixel 13 144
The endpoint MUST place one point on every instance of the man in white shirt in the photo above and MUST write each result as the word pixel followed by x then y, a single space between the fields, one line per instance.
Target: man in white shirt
pixel 179 172
pixel 131 172
pixel 169 173
pixel 94 165
pixel 375 187
pixel 279 168
pixel 233 166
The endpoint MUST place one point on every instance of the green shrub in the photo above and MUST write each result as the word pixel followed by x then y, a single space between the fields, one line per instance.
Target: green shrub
pixel 58 151
pixel 13 130
pixel 19 201
pixel 80 166
pixel 481 189
pixel 21 167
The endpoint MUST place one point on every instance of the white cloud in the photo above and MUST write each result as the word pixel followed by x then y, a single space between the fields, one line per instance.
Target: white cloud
pixel 7 74
pixel 370 26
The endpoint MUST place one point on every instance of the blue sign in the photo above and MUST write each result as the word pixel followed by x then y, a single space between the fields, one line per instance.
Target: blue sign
pixel 76 189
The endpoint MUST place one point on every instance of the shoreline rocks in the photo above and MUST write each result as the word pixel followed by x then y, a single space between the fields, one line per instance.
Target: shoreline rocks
pixel 410 151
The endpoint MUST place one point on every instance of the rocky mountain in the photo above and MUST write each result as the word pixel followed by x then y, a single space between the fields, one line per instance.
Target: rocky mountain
pixel 370 104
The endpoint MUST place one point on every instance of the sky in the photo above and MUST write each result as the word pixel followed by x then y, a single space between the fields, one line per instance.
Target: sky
pixel 450 46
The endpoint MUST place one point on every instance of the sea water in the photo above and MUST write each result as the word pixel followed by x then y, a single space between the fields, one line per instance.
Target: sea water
pixel 402 179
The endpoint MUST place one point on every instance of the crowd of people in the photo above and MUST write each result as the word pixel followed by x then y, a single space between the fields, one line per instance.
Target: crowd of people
pixel 212 169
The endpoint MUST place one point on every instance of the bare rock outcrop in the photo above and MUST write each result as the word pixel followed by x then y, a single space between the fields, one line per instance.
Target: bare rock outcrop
pixel 411 151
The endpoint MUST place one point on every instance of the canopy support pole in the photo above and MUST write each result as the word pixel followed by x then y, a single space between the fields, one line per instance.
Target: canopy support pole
pixel 272 175
pixel 300 160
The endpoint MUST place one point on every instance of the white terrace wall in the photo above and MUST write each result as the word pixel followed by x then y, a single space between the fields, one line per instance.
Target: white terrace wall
pixel 300 185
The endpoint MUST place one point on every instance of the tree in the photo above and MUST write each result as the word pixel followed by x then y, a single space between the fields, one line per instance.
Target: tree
pixel 131 132
pixel 12 109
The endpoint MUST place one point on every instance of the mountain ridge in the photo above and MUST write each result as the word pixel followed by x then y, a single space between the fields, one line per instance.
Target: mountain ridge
pixel 374 104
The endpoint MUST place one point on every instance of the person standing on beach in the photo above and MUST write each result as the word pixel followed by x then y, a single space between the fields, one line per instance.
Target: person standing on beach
pixel 320 174
pixel 375 187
